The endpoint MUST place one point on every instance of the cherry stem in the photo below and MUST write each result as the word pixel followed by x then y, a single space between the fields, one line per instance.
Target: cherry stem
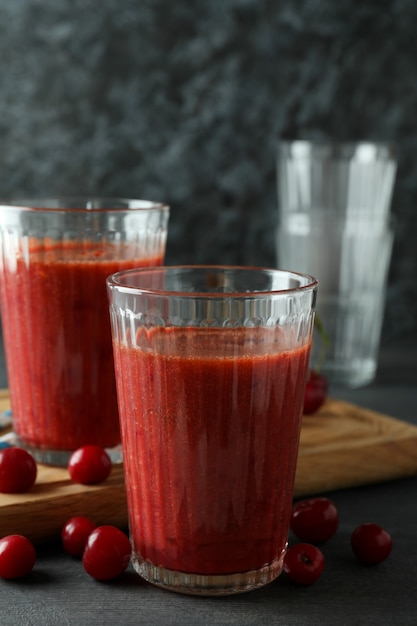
pixel 325 341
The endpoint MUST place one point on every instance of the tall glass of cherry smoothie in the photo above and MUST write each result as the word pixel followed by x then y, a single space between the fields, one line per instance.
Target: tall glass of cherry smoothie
pixel 55 256
pixel 211 365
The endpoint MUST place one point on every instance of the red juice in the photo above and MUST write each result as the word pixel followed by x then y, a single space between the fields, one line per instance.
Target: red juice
pixel 58 344
pixel 210 423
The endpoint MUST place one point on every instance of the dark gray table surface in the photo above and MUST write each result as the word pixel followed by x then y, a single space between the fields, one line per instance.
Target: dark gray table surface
pixel 59 592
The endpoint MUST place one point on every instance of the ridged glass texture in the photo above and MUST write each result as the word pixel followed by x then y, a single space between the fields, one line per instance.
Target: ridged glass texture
pixel 55 256
pixel 211 364
pixel 335 222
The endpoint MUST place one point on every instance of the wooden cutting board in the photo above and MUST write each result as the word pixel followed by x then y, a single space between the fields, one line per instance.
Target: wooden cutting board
pixel 341 446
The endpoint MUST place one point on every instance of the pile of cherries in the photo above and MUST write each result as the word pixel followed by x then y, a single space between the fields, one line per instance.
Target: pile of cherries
pixel 314 521
pixel 105 550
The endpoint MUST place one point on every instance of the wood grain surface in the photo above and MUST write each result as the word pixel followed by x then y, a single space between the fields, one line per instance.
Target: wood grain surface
pixel 341 446
pixel 344 445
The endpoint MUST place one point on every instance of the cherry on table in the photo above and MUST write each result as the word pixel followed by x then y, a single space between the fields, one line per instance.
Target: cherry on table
pixel 315 392
pixel 75 533
pixel 314 520
pixel 107 553
pixel 89 464
pixel 371 544
pixel 18 470
pixel 17 556
pixel 303 563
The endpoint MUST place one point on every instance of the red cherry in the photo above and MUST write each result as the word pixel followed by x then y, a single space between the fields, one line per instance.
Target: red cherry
pixel 314 520
pixel 17 556
pixel 75 533
pixel 371 543
pixel 107 553
pixel 18 470
pixel 89 464
pixel 303 563
pixel 315 392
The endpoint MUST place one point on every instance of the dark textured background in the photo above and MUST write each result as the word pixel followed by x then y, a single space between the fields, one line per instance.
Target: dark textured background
pixel 185 101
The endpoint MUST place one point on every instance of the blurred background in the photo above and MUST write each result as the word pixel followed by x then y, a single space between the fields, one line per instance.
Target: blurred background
pixel 185 101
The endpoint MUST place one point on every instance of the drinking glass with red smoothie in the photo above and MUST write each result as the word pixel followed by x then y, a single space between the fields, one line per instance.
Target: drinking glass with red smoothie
pixel 55 256
pixel 211 365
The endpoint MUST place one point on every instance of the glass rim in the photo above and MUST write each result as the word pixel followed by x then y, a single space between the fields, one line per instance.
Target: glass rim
pixel 115 282
pixel 82 204
pixel 362 150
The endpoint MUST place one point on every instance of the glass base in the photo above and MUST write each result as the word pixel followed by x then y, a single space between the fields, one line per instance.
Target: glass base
pixel 208 584
pixel 352 374
pixel 58 458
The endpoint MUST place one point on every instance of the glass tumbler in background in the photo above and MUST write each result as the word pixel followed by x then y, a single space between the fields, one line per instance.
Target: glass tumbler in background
pixel 335 222
pixel 55 256
pixel 211 364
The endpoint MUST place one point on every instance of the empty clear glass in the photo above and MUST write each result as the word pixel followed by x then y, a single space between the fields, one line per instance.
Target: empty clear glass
pixel 335 222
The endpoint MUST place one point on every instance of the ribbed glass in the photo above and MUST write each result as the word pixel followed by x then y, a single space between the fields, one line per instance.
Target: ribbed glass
pixel 55 256
pixel 211 364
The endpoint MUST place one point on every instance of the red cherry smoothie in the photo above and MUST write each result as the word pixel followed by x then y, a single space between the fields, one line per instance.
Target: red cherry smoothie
pixel 58 345
pixel 210 445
